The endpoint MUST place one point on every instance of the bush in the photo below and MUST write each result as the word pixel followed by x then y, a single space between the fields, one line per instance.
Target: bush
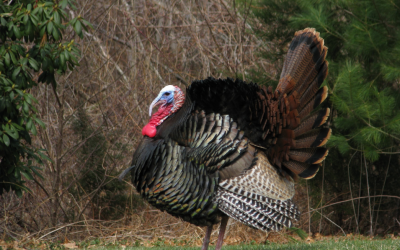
pixel 32 47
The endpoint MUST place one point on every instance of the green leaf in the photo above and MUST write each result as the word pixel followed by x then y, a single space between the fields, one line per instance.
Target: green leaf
pixel 56 34
pixel 27 175
pixel 33 129
pixel 63 4
pixel 48 4
pixel 6 140
pixel 17 126
pixel 29 124
pixel 35 170
pixel 66 54
pixel 26 108
pixel 3 21
pixel 33 64
pixel 19 92
pixel 17 33
pixel 62 60
pixel 11 131
pixel 33 98
pixel 27 98
pixel 38 121
pixel 16 72
pixel 7 59
pixel 34 109
pixel 78 28
pixel 44 156
pixel 13 59
pixel 19 193
pixel 34 19
pixel 14 135
pixel 57 18
pixel 35 10
pixel 26 19
pixel 87 23
pixel 43 31
pixel 50 27
pixel 24 61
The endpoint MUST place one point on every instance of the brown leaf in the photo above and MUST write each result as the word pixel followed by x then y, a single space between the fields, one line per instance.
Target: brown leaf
pixel 70 245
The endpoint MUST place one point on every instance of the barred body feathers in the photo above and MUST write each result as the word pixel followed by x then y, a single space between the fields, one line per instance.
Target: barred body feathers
pixel 230 148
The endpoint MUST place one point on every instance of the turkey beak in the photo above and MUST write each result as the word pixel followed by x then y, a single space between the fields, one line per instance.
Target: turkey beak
pixel 155 102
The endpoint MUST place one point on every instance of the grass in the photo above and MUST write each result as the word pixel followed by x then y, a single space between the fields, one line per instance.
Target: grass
pixel 322 242
pixel 331 244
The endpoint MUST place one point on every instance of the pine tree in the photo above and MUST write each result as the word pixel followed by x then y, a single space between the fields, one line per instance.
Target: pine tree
pixel 363 40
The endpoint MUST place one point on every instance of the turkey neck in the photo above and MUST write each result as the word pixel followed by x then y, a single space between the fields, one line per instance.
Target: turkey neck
pixel 146 148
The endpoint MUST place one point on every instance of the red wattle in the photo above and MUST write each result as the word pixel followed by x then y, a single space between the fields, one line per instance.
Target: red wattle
pixel 156 119
pixel 149 130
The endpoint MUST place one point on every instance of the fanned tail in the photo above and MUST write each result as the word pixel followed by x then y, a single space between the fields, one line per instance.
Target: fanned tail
pixel 298 146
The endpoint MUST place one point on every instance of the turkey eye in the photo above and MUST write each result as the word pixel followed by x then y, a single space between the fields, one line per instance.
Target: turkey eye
pixel 167 94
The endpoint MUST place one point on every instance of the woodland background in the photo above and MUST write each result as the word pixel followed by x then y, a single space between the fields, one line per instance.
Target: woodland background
pixel 93 113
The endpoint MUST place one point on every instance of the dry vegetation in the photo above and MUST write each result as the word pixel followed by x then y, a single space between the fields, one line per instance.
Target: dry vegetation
pixel 95 116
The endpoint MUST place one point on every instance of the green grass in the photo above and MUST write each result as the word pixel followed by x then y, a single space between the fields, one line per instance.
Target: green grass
pixel 345 244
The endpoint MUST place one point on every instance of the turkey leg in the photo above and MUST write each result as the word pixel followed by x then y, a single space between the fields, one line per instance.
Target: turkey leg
pixel 206 240
pixel 221 234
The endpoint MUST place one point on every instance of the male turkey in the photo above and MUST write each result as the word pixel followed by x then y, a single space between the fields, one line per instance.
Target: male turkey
pixel 232 149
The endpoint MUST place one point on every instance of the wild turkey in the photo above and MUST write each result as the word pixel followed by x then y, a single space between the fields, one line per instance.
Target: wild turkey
pixel 232 149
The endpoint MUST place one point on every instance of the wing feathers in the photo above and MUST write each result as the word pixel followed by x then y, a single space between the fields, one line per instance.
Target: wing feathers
pixel 257 211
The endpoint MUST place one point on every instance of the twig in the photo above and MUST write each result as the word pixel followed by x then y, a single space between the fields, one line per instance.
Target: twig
pixel 329 220
pixel 131 20
pixel 383 186
pixel 108 57
pixel 213 37
pixel 55 230
pixel 179 77
pixel 369 199
pixel 358 198
pixel 322 194
pixel 351 193
pixel 308 207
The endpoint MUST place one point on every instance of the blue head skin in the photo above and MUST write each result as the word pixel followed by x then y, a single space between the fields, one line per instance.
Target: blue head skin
pixel 165 97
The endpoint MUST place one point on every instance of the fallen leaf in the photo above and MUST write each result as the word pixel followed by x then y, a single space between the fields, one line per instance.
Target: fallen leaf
pixel 70 245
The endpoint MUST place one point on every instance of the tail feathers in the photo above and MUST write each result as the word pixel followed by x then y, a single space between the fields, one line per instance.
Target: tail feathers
pixel 305 57
pixel 312 104
pixel 312 121
pixel 262 213
pixel 313 138
pixel 307 89
pixel 306 160
pixel 298 144
pixel 308 155
pixel 303 170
